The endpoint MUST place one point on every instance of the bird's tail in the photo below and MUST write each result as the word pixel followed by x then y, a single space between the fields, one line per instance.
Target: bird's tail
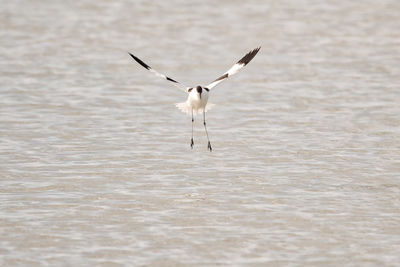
pixel 185 108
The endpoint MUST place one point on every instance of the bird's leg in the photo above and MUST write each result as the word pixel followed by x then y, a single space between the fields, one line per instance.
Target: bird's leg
pixel 205 127
pixel 191 140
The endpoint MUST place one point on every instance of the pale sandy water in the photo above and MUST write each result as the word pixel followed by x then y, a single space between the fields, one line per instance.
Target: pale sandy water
pixel 95 163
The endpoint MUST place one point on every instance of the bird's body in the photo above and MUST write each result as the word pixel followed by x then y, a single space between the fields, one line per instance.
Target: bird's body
pixel 197 100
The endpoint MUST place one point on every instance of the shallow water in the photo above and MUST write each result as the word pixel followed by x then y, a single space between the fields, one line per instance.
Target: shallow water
pixel 95 162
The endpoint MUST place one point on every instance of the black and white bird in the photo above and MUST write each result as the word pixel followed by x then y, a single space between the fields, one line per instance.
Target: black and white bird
pixel 197 101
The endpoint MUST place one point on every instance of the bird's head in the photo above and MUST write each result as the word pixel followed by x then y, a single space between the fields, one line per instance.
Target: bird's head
pixel 199 90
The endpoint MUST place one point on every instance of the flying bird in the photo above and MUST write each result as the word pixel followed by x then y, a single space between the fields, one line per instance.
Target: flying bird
pixel 197 100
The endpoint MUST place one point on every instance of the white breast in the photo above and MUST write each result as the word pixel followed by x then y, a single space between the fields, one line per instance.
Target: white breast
pixel 195 103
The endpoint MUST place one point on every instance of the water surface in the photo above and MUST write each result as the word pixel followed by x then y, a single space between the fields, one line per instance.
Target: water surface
pixel 95 160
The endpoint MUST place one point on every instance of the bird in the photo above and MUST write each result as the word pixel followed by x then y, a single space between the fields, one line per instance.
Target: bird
pixel 197 99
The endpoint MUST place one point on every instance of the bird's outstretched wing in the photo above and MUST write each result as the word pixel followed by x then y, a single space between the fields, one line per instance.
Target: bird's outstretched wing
pixel 235 68
pixel 144 65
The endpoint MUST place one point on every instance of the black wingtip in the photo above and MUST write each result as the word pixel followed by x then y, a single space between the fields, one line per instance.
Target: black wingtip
pixel 144 65
pixel 249 56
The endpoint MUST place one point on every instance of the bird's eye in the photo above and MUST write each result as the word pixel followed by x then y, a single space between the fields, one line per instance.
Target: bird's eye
pixel 190 89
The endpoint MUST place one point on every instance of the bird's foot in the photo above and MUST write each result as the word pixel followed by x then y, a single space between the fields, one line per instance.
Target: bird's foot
pixel 191 143
pixel 209 146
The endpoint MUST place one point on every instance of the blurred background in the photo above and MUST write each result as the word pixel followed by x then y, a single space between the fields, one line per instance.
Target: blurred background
pixel 95 159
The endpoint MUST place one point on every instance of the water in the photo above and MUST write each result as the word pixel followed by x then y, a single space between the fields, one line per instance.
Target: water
pixel 95 160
